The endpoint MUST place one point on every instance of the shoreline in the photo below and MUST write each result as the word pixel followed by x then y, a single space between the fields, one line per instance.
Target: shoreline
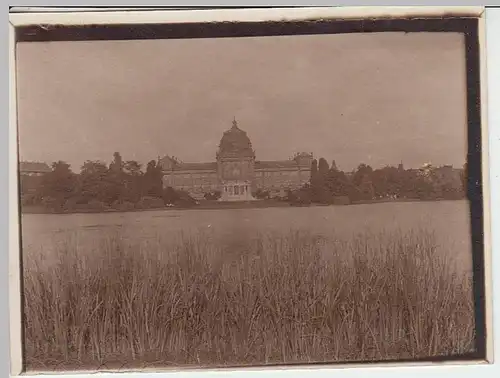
pixel 261 204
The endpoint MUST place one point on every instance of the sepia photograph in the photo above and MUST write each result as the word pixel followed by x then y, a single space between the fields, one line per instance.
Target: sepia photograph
pixel 283 193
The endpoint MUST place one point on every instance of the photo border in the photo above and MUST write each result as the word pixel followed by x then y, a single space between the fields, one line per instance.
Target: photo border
pixel 37 27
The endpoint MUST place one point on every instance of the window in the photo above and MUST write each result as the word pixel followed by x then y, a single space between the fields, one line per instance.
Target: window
pixel 236 189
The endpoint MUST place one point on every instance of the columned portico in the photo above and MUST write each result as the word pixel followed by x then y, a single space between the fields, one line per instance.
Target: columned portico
pixel 236 191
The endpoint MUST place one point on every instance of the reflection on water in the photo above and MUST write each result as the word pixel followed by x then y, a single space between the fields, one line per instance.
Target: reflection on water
pixel 449 220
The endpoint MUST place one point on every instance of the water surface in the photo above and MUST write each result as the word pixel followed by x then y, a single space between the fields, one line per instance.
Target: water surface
pixel 449 220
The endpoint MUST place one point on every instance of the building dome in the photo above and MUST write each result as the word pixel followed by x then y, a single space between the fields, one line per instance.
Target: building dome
pixel 235 143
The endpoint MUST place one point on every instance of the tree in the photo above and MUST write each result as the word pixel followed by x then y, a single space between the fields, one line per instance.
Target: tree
pixel 319 191
pixel 323 167
pixel 333 167
pixel 362 173
pixel 388 181
pixel 337 184
pixel 315 183
pixel 93 181
pixel 132 181
pixel 314 170
pixel 153 180
pixel 117 163
pixel 417 185
pixel 362 182
pixel 365 188
pixel 132 168
pixel 59 184
pixel 115 180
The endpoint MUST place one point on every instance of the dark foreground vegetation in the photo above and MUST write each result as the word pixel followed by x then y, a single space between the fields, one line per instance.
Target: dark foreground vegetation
pixel 124 186
pixel 329 185
pixel 288 298
pixel 99 187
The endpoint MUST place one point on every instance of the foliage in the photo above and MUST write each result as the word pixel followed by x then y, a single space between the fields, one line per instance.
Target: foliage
pixel 59 184
pixel 120 186
pixel 300 197
pixel 152 180
pixel 262 194
pixel 95 182
pixel 183 199
pixel 213 196
pixel 149 202
pixel 123 185
pixel 327 184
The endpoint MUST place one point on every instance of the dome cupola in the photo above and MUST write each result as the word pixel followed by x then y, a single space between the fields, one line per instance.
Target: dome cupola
pixel 235 143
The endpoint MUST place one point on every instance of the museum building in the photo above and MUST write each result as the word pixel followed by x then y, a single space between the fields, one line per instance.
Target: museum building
pixel 235 173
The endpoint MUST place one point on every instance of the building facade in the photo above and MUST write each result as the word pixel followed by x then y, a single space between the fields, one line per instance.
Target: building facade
pixel 32 168
pixel 235 173
pixel 31 175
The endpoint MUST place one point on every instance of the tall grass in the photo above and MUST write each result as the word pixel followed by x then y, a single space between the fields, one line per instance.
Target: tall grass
pixel 286 298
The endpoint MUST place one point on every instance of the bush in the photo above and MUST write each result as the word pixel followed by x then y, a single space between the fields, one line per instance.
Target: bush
pixel 70 204
pixel 123 205
pixel 28 199
pixel 301 197
pixel 262 194
pixel 341 200
pixel 213 196
pixel 150 203
pixel 52 204
pixel 184 199
pixel 97 205
pixel 170 196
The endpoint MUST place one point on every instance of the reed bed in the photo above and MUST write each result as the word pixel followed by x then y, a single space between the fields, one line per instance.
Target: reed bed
pixel 265 299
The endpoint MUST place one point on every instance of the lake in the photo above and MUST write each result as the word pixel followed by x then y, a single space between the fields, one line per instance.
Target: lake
pixel 448 219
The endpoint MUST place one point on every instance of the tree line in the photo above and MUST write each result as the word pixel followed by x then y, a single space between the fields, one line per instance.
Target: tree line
pixel 122 185
pixel 328 184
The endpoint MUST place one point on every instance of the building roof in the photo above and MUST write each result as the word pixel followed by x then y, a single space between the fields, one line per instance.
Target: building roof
pixel 235 143
pixel 277 164
pixel 33 167
pixel 178 166
pixel 212 166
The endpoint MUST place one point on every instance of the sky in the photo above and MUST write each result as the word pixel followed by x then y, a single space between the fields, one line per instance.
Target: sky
pixel 374 98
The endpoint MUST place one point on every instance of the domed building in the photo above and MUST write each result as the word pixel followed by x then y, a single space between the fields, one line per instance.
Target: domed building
pixel 236 175
pixel 235 165
pixel 235 143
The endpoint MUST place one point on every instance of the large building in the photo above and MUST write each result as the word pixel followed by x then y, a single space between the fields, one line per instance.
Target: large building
pixel 31 175
pixel 32 168
pixel 235 173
